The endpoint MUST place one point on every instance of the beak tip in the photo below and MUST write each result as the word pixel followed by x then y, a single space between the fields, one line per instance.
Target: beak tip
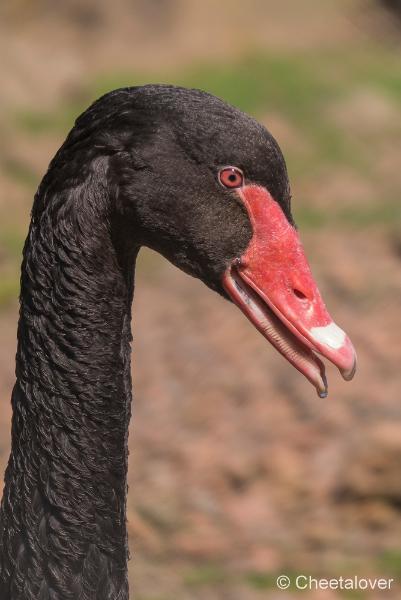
pixel 348 374
pixel 321 386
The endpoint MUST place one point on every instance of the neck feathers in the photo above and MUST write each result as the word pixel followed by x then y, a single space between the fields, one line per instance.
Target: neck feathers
pixel 62 521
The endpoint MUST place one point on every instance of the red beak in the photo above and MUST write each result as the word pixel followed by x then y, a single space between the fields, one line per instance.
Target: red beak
pixel 273 285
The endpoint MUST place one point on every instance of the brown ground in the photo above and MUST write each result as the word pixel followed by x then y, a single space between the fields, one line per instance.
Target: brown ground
pixel 236 466
pixel 234 461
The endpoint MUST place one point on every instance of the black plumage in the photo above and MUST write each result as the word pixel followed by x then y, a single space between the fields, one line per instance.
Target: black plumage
pixel 138 168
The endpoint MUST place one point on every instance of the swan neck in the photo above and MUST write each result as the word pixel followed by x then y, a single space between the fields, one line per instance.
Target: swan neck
pixel 64 504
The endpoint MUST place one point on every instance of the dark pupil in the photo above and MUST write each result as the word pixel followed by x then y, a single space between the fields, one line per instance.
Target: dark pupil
pixel 232 177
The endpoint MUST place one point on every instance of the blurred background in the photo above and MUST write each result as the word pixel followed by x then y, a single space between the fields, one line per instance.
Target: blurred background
pixel 238 472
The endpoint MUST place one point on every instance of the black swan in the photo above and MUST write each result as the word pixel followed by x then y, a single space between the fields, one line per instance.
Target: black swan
pixel 197 180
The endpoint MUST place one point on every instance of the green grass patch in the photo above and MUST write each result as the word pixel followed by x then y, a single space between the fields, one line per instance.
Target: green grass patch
pixel 20 172
pixel 206 575
pixel 385 213
pixel 12 242
pixel 377 67
pixel 156 519
pixel 149 265
pixel 9 289
pixel 389 561
pixel 260 83
pixel 261 581
pixel 307 217
pixel 371 215
pixel 298 86
pixel 255 84
pixel 34 122
pixel 140 597
pixel 353 594
pixel 212 575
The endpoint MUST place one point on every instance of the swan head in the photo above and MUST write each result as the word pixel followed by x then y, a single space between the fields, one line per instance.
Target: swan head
pixel 206 185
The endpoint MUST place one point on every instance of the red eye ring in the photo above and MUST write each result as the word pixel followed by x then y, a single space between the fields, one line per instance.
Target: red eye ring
pixel 231 177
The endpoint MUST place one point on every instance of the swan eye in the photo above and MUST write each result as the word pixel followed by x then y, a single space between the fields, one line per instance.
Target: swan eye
pixel 231 177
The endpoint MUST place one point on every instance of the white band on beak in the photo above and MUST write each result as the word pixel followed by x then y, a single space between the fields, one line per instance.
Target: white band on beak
pixel 330 335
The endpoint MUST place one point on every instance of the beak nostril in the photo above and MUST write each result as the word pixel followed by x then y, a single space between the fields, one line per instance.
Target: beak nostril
pixel 299 294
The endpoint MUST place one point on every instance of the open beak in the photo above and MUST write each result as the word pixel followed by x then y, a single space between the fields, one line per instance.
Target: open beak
pixel 273 285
